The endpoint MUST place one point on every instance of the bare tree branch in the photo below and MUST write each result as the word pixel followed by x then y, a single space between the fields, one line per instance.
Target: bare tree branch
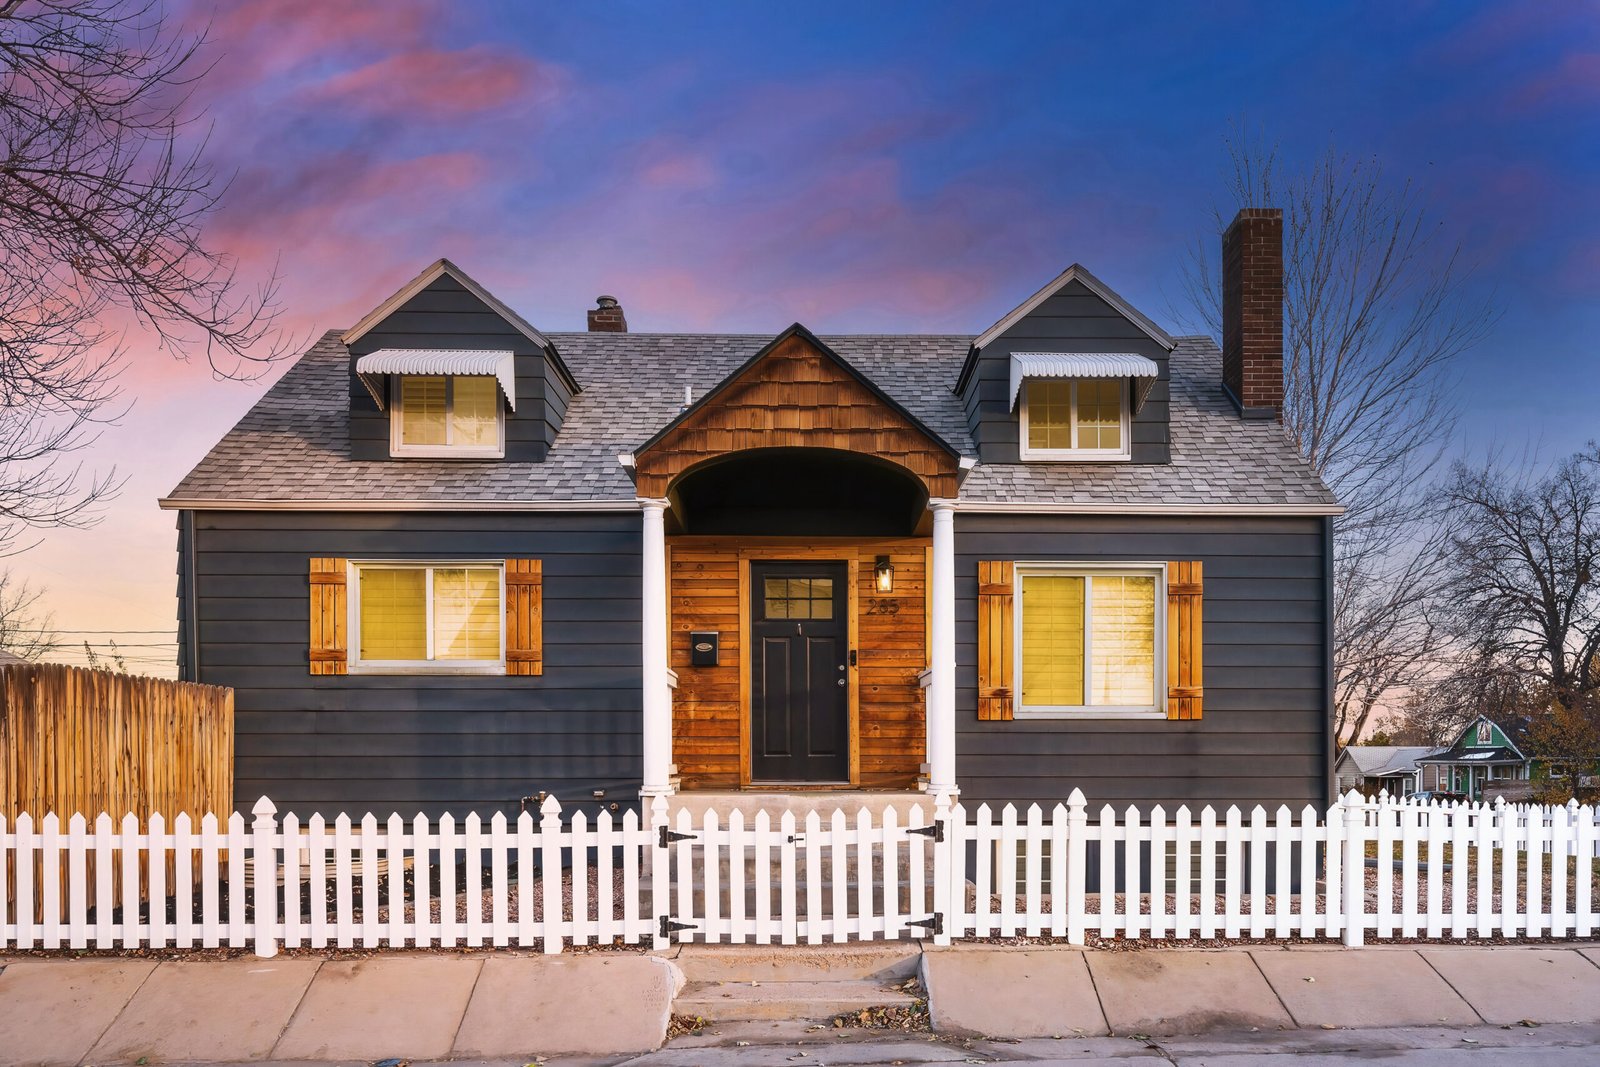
pixel 104 192
pixel 1374 317
pixel 25 630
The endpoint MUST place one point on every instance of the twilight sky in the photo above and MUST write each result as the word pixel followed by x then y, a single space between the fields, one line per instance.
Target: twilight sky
pixel 858 167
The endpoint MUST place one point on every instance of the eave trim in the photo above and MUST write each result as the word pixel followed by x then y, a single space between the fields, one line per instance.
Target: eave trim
pixel 1077 272
pixel 216 504
pixel 433 273
pixel 1086 507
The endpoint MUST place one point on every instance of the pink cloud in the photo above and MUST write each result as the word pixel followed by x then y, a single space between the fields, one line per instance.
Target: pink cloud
pixel 262 38
pixel 685 170
pixel 438 84
pixel 1574 82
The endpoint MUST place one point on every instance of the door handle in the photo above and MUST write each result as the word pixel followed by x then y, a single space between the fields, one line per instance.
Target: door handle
pixel 841 681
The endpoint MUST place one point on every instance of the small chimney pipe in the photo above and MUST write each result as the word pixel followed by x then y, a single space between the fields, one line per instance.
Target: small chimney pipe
pixel 607 317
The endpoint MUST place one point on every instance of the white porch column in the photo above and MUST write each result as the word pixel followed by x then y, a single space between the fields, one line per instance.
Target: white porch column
pixel 657 779
pixel 941 712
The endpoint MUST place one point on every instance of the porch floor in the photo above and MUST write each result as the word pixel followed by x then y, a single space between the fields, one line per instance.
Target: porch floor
pixel 776 801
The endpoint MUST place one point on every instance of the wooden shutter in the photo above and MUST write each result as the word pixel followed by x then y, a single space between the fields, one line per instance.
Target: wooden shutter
pixel 329 650
pixel 1184 597
pixel 524 616
pixel 995 595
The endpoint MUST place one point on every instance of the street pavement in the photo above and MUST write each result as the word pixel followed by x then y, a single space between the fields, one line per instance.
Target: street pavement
pixel 1406 1006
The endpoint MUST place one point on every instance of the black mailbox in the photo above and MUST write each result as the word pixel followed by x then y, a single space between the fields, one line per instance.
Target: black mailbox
pixel 703 646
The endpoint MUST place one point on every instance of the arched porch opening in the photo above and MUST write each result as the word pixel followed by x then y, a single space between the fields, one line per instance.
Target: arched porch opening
pixel 798 492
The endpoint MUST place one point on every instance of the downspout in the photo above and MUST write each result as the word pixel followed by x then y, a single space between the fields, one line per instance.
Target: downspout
pixel 191 601
pixel 1329 741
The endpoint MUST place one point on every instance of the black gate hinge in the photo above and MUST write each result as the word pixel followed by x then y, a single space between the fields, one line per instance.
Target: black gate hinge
pixel 936 831
pixel 666 836
pixel 934 923
pixel 668 927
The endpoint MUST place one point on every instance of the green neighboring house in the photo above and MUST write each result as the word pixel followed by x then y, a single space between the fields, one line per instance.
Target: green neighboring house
pixel 1480 754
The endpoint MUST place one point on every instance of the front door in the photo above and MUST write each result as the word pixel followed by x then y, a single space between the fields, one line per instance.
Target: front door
pixel 799 672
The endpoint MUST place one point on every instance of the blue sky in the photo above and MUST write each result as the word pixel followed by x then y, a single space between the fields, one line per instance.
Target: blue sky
pixel 858 167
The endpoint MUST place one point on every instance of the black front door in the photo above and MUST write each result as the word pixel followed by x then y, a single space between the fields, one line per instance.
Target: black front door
pixel 799 673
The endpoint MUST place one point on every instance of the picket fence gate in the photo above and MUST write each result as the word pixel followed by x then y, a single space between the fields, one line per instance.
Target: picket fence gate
pixel 1437 871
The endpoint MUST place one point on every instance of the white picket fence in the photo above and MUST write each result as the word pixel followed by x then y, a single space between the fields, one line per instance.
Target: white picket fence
pixel 1382 869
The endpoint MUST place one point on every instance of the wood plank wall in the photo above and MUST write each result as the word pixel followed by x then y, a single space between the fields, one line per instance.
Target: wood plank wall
pixel 76 740
pixel 709 714
pixel 796 397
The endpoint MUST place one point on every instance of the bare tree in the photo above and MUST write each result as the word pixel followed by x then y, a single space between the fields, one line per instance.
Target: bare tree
pixel 25 630
pixel 104 190
pixel 1374 316
pixel 1524 554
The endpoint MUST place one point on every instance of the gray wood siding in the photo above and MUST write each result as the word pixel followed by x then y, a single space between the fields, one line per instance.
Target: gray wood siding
pixel 1073 320
pixel 1263 735
pixel 424 742
pixel 445 315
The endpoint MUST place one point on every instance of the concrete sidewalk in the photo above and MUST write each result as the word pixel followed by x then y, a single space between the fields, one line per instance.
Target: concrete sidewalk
pixel 415 1006
pixel 1113 1007
pixel 1057 992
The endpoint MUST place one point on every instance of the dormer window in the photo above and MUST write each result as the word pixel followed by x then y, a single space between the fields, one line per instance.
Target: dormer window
pixel 442 403
pixel 446 415
pixel 1078 405
pixel 1085 418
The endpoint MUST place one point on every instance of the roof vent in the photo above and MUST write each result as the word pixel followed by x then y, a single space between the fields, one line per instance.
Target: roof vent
pixel 607 317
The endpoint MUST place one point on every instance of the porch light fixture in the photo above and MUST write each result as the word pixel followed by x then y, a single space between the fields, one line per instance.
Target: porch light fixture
pixel 883 575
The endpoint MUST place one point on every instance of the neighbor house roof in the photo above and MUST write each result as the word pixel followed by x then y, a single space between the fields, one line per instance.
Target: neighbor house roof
pixel 1460 751
pixel 1377 761
pixel 292 447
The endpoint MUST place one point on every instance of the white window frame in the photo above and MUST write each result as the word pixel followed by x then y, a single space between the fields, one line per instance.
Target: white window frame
pixel 397 445
pixel 1140 569
pixel 357 665
pixel 1123 454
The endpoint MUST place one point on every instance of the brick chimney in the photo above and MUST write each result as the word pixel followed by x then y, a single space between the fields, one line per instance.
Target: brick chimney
pixel 606 316
pixel 1252 312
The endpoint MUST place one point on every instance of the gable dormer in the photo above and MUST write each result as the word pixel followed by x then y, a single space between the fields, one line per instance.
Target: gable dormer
pixel 1072 374
pixel 445 370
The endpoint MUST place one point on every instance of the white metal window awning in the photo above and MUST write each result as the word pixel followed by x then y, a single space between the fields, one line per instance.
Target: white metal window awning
pixel 501 366
pixel 1142 370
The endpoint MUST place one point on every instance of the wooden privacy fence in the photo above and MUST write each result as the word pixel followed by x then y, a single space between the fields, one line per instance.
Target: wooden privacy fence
pixel 73 739
pixel 1367 869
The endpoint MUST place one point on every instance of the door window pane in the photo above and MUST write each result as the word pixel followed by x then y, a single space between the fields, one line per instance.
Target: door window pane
pixel 1052 640
pixel 394 613
pixel 797 598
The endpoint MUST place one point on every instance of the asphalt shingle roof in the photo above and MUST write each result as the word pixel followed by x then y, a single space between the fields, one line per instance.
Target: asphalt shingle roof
pixel 293 444
pixel 1375 761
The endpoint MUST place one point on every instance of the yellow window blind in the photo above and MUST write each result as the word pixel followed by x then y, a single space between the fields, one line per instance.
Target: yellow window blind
pixel 423 404
pixel 474 410
pixel 1123 640
pixel 1052 640
pixel 394 613
pixel 1049 413
pixel 466 613
pixel 1100 413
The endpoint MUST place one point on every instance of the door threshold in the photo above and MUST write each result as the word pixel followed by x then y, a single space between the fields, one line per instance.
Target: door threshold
pixel 795 787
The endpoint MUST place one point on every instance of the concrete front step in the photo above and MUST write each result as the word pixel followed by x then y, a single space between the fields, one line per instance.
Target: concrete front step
pixel 816 1000
pixel 798 963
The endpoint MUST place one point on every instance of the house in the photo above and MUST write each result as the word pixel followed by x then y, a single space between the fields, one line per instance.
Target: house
pixel 1374 769
pixel 1481 754
pixel 453 561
